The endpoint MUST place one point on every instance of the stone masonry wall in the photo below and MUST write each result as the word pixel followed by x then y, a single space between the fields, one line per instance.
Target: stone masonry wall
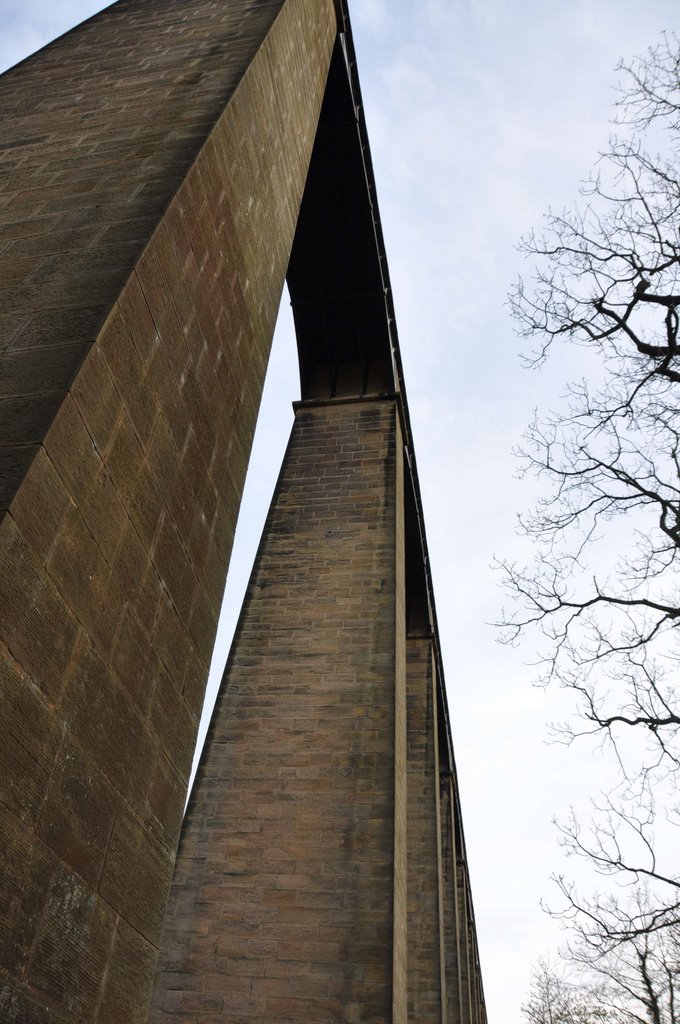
pixel 282 902
pixel 424 874
pixel 121 511
pixel 464 992
pixel 97 131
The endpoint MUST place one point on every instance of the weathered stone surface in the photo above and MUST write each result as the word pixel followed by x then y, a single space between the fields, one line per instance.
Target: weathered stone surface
pixel 131 972
pixel 137 876
pixel 32 736
pixel 70 956
pixel 24 884
pixel 282 905
pixel 144 157
pixel 38 628
pixel 425 911
pixel 98 131
pixel 79 812
pixel 20 1006
pixel 101 718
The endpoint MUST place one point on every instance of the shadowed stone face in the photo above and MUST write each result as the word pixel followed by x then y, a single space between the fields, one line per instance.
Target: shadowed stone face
pixel 98 131
pixel 145 156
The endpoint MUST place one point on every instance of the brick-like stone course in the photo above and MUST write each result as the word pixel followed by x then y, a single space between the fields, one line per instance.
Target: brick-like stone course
pixel 282 902
pixel 424 859
pixel 144 159
pixel 464 992
pixel 456 985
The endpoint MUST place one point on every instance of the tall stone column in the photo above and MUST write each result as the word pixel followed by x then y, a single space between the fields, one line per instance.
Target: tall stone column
pixel 288 897
pixel 457 989
pixel 151 172
pixel 426 984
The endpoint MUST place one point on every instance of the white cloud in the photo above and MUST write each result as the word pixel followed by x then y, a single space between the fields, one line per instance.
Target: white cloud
pixel 371 15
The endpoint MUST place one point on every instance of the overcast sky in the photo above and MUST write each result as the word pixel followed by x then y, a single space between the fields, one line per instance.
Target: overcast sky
pixel 481 114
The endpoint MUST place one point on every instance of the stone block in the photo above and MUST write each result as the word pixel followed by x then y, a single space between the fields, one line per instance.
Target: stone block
pixel 37 626
pixel 41 504
pixel 172 724
pixel 125 995
pixel 166 798
pixel 136 876
pixel 78 567
pixel 78 813
pixel 97 400
pixel 104 720
pixel 27 868
pixel 31 740
pixel 69 960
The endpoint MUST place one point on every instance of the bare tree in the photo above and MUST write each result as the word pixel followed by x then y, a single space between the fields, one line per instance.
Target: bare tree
pixel 604 587
pixel 638 983
pixel 553 999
